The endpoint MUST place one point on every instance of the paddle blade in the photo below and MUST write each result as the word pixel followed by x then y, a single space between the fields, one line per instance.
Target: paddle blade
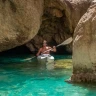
pixel 29 58
pixel 69 40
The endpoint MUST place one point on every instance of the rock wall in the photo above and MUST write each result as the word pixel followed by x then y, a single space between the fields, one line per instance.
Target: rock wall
pixel 19 21
pixel 54 27
pixel 84 47
pixel 53 20
pixel 59 20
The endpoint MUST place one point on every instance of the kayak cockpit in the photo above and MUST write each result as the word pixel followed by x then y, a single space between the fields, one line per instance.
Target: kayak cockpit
pixel 46 60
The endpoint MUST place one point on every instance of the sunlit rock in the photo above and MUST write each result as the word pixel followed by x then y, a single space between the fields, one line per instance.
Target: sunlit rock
pixel 84 47
pixel 19 21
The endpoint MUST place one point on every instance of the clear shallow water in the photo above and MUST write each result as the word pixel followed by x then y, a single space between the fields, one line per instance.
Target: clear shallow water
pixel 25 78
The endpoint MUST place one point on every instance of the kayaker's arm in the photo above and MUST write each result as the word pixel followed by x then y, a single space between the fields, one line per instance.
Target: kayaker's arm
pixel 39 52
pixel 54 49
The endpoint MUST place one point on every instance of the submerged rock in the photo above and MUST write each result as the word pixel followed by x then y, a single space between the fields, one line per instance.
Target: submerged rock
pixel 19 21
pixel 84 47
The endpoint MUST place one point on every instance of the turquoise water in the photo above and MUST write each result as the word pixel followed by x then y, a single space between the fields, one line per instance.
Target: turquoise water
pixel 25 78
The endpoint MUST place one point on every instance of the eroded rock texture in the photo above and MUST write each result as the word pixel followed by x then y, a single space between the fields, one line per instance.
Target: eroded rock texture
pixel 54 27
pixel 19 21
pixel 84 47
pixel 59 20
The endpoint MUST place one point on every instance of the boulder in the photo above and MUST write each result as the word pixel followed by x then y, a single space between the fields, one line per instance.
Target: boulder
pixel 84 47
pixel 19 22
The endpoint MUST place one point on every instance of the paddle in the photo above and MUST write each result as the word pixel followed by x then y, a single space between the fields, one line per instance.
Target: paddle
pixel 67 41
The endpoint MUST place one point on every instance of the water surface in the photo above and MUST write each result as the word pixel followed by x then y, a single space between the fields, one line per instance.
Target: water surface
pixel 19 77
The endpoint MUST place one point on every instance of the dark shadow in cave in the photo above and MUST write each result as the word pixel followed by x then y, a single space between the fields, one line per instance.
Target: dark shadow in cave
pixel 62 51
pixel 21 50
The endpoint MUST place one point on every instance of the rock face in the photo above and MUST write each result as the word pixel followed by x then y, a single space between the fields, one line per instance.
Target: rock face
pixel 19 21
pixel 59 20
pixel 54 27
pixel 84 47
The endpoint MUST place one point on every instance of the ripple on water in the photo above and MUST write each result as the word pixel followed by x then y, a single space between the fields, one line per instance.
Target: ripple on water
pixel 26 79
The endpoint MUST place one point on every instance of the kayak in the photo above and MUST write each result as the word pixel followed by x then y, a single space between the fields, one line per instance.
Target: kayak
pixel 46 60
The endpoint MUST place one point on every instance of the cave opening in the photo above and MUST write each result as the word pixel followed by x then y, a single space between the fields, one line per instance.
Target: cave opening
pixel 20 50
pixel 54 28
pixel 23 50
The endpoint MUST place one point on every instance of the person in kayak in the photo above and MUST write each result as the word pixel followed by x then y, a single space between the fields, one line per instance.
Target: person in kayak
pixel 45 50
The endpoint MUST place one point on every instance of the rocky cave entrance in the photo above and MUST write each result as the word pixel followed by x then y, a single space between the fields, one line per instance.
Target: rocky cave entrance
pixel 54 28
